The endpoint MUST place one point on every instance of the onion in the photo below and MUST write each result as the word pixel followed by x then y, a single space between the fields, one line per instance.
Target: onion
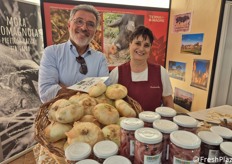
pixel 97 89
pixel 124 109
pixel 69 114
pixel 112 132
pixel 116 91
pixel 104 99
pixel 88 103
pixel 77 97
pixel 90 118
pixel 85 132
pixel 56 131
pixel 106 114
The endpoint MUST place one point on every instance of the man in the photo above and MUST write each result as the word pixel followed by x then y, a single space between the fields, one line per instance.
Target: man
pixel 65 64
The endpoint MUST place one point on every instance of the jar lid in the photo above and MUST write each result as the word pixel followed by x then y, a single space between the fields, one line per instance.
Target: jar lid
pixel 104 149
pixel 185 139
pixel 131 123
pixel 88 161
pixel 165 126
pixel 148 135
pixel 166 111
pixel 117 159
pixel 149 116
pixel 222 131
pixel 210 138
pixel 185 121
pixel 77 151
pixel 226 147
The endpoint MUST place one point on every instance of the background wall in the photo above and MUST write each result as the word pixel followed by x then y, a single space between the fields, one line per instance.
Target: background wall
pixel 204 20
pixel 222 87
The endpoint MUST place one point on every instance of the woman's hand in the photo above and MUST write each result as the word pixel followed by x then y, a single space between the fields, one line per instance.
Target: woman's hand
pixel 168 101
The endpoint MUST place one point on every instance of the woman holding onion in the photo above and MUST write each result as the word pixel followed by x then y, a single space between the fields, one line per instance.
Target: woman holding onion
pixel 147 83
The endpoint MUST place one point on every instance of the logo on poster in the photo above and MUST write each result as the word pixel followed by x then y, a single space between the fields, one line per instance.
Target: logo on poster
pixel 154 18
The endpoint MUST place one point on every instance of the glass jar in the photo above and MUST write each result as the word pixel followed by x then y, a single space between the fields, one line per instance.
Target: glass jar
pixel 226 152
pixel 224 132
pixel 165 127
pixel 104 149
pixel 148 146
pixel 166 112
pixel 127 138
pixel 148 118
pixel 210 147
pixel 184 147
pixel 186 123
pixel 117 159
pixel 88 161
pixel 77 151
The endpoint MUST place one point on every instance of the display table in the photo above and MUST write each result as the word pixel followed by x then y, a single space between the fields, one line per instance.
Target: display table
pixel 214 114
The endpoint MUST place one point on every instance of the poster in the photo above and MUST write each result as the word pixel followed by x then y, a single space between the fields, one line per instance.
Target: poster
pixel 192 43
pixel 182 22
pixel 183 98
pixel 200 73
pixel 177 70
pixel 111 37
pixel 21 47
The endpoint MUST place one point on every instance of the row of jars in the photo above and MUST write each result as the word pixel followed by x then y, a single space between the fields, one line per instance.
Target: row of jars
pixel 154 138
pixel 159 137
pixel 103 152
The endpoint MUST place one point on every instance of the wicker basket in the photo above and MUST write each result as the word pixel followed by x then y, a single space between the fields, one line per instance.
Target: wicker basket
pixel 41 121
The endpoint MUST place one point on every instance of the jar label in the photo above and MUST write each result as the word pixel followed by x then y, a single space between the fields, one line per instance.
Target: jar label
pixel 132 147
pixel 151 159
pixel 181 161
pixel 213 154
pixel 167 152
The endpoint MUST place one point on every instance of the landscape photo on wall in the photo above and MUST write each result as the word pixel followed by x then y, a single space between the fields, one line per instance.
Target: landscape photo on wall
pixel 192 43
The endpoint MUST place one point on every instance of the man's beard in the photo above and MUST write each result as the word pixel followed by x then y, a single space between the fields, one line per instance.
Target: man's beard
pixel 81 42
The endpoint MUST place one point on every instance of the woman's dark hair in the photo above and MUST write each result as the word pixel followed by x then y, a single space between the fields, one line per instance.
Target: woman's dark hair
pixel 144 31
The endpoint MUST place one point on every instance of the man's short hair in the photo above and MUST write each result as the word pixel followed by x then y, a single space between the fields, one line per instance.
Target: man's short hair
pixel 85 7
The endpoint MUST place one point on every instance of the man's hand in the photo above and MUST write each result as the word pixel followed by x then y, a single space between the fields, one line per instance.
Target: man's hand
pixel 64 89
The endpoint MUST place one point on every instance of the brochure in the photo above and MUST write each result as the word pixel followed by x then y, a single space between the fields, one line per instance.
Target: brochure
pixel 85 84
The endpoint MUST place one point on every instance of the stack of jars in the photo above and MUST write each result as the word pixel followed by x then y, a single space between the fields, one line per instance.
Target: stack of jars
pixel 160 143
pixel 166 143
pixel 165 127
pixel 160 137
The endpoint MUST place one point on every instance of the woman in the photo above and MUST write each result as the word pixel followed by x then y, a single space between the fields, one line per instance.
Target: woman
pixel 147 83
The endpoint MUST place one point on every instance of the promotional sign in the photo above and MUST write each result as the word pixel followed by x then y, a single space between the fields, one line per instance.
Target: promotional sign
pixel 117 23
pixel 87 83
pixel 21 46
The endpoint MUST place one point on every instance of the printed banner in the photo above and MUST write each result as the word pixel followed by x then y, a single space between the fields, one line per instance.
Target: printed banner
pixel 113 32
pixel 21 47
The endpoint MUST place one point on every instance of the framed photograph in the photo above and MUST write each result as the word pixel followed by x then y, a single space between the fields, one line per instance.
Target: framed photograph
pixel 177 70
pixel 192 43
pixel 183 98
pixel 200 73
pixel 117 23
